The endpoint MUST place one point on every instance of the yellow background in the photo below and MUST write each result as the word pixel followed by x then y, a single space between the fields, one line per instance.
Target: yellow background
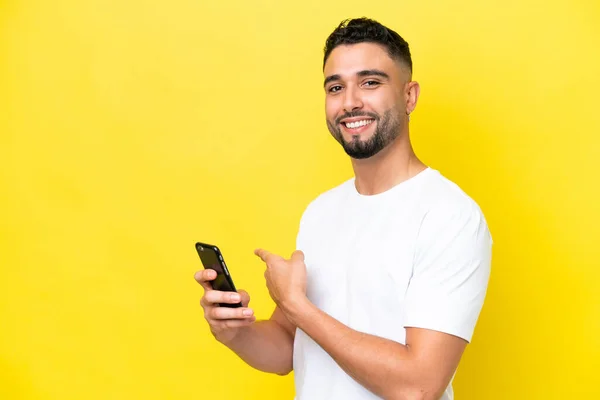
pixel 131 129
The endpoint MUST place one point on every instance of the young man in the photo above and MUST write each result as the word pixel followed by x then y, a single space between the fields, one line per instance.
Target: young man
pixel 383 294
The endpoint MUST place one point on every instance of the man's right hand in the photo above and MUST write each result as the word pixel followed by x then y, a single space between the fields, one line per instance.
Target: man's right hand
pixel 225 323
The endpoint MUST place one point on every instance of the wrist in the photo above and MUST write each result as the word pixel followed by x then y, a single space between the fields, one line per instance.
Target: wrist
pixel 228 337
pixel 295 308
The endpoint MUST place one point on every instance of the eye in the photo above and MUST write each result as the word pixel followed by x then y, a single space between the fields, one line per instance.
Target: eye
pixel 335 88
pixel 371 83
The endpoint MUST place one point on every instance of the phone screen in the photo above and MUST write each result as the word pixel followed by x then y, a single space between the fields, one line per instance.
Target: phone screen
pixel 210 259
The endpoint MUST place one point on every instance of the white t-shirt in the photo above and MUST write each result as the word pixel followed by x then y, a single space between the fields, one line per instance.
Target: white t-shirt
pixel 417 255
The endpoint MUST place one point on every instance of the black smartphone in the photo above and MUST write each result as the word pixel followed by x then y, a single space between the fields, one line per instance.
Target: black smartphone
pixel 211 258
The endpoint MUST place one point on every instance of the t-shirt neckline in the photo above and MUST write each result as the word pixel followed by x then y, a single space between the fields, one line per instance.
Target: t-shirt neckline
pixel 396 188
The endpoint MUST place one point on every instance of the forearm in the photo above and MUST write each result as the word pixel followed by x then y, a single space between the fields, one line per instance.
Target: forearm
pixel 386 368
pixel 264 345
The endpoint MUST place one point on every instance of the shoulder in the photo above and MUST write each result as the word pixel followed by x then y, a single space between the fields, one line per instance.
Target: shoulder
pixel 449 216
pixel 442 200
pixel 453 234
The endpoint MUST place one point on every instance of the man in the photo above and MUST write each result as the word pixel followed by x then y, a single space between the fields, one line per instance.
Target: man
pixel 383 294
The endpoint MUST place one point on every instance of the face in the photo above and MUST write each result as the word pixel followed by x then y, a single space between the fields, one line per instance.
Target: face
pixel 368 96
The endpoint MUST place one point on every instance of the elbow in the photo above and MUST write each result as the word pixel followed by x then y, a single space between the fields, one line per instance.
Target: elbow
pixel 283 368
pixel 284 372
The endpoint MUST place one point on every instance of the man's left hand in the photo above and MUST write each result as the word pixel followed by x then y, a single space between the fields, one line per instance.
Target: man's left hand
pixel 286 279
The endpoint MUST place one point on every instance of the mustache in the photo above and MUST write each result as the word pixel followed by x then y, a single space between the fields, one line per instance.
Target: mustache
pixel 354 114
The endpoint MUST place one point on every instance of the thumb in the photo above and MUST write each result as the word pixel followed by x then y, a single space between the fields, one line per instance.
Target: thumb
pixel 245 297
pixel 298 255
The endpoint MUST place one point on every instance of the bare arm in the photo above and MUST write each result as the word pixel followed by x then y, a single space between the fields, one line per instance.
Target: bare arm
pixel 264 345
pixel 421 369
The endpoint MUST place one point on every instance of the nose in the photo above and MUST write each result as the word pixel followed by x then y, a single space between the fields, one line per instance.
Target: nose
pixel 352 100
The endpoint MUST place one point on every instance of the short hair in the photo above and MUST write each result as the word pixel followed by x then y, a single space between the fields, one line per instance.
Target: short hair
pixel 359 30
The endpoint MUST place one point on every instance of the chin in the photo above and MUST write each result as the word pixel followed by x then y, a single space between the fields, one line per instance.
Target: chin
pixel 350 138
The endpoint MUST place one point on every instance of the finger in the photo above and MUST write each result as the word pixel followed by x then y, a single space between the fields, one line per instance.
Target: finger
pixel 204 277
pixel 298 255
pixel 245 297
pixel 220 313
pixel 235 323
pixel 216 296
pixel 262 253
pixel 267 256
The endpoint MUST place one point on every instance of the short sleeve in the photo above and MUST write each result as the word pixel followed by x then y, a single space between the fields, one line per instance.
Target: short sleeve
pixel 301 237
pixel 450 272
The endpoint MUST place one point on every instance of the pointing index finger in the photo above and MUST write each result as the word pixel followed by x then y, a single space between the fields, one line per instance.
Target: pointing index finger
pixel 263 254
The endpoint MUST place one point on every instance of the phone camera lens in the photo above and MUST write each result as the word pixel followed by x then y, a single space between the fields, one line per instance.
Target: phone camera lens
pixel 200 248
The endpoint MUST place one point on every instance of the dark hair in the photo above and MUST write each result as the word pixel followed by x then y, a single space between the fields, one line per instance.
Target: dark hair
pixel 358 30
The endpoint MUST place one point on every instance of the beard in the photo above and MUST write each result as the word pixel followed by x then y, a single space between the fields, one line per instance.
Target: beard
pixel 388 129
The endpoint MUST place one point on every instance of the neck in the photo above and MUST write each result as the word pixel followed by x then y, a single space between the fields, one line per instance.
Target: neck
pixel 388 168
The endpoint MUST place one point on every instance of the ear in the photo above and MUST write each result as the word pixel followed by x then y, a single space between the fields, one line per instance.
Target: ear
pixel 411 96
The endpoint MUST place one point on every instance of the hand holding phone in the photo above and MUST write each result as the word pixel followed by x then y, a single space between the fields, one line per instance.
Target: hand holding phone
pixel 225 309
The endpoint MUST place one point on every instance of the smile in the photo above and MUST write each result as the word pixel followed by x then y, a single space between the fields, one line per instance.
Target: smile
pixel 357 124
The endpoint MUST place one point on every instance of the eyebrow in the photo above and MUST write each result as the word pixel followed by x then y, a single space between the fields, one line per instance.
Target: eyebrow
pixel 363 73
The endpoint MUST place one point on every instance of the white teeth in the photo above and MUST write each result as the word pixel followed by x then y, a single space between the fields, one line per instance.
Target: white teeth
pixel 358 124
